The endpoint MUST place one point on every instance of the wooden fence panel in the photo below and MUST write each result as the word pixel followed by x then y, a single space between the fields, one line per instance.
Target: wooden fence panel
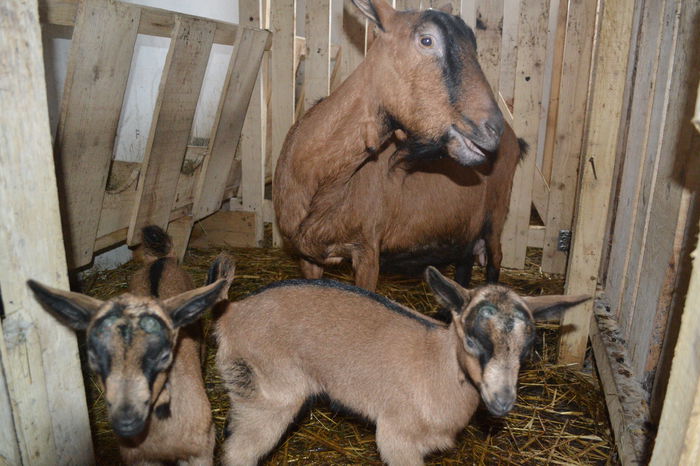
pixel 180 86
pixel 253 146
pixel 573 98
pixel 526 120
pixel 317 65
pixel 600 152
pixel 98 68
pixel 282 101
pixel 240 80
pixel 489 21
pixel 45 419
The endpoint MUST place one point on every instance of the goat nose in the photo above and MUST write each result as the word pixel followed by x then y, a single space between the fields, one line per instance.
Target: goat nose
pixel 503 402
pixel 494 127
pixel 128 423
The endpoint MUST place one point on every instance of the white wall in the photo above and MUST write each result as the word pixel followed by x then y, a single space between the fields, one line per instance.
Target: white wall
pixel 142 87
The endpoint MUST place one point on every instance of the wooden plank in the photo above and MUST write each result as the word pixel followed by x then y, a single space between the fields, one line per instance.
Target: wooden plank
pixel 317 65
pixel 678 142
pixel 468 13
pixel 489 21
pixel 596 184
pixel 646 114
pixel 571 113
pixel 353 39
pixel 240 80
pixel 407 4
pixel 98 68
pixel 252 148
pixel 679 427
pixel 48 423
pixel 154 21
pixel 179 231
pixel 283 25
pixel 179 90
pixel 553 66
pixel 509 50
pixel 527 106
pixel 225 229
pixel 624 395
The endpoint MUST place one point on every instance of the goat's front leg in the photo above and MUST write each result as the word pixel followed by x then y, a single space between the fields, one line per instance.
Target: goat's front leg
pixel 365 262
pixel 309 269
pixel 397 449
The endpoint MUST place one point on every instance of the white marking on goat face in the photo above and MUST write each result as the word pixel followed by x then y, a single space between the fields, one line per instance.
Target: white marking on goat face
pixel 499 331
pixel 130 345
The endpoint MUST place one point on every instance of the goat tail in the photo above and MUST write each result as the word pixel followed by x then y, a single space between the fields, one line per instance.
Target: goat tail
pixel 156 242
pixel 524 147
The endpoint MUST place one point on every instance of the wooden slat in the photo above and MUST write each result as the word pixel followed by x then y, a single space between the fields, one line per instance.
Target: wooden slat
pixel 283 24
pixel 509 49
pixel 553 65
pixel 677 441
pixel 179 90
pixel 407 4
pixel 646 113
pixel 40 365
pixel 596 184
pixel 240 79
pixel 528 96
pixel 154 21
pixel 317 65
pixel 489 21
pixel 469 13
pixel 678 142
pixel 353 39
pixel 98 68
pixel 679 427
pixel 624 396
pixel 573 95
pixel 252 148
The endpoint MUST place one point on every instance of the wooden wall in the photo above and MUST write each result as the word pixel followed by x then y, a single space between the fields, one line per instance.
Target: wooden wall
pixel 176 184
pixel 652 224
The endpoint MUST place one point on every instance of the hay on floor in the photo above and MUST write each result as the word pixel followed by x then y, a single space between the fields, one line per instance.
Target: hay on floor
pixel 559 418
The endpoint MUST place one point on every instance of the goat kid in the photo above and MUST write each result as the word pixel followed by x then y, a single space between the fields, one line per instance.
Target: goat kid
pixel 420 75
pixel 145 347
pixel 417 378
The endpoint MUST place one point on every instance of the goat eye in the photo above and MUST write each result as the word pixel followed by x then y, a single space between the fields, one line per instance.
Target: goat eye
pixel 426 41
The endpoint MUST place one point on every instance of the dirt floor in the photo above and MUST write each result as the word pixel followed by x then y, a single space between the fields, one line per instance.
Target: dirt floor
pixel 560 415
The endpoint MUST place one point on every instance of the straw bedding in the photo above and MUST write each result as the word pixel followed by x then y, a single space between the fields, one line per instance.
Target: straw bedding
pixel 559 418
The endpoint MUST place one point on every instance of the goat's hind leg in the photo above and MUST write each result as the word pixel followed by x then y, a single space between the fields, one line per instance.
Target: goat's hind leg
pixel 254 428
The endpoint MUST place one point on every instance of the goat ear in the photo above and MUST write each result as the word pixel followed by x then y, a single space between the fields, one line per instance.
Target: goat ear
pixel 378 11
pixel 187 307
pixel 73 309
pixel 547 307
pixel 448 293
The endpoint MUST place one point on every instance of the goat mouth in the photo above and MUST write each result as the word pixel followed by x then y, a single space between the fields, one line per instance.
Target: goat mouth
pixel 464 150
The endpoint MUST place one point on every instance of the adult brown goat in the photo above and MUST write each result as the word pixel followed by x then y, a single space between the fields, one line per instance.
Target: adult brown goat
pixel 145 347
pixel 421 75
pixel 418 379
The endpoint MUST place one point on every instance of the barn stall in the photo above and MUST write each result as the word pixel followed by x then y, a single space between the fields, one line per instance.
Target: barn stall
pixel 602 91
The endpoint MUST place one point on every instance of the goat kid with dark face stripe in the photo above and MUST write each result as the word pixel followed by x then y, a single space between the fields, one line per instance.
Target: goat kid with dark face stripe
pixel 145 347
pixel 418 379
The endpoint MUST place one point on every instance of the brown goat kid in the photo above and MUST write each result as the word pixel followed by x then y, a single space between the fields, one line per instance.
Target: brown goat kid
pixel 145 347
pixel 417 378
pixel 421 75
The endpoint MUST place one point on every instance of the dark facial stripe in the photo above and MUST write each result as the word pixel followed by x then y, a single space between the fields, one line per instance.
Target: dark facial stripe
pixel 325 283
pixel 456 36
pixel 152 362
pixel 155 273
